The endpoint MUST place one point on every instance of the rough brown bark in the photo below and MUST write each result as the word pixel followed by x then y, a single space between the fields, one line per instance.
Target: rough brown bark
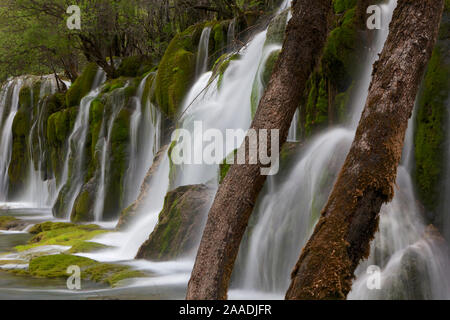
pixel 228 218
pixel 342 237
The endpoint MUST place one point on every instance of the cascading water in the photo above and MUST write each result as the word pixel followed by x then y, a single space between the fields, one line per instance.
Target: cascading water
pixel 145 137
pixel 40 190
pixel 231 35
pixel 286 214
pixel 10 93
pixel 117 101
pixel 73 164
pixel 202 55
pixel 215 108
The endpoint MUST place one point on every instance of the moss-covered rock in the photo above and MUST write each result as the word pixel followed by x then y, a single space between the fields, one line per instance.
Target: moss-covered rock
pixel 180 223
pixel 176 70
pixel 55 266
pixel 134 66
pixel 276 29
pixel 59 127
pixel 11 223
pixel 118 164
pixel 61 235
pixel 83 208
pixel 431 122
pixel 82 86
pixel 18 168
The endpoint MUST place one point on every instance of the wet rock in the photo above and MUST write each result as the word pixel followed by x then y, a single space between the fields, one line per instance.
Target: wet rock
pixel 180 223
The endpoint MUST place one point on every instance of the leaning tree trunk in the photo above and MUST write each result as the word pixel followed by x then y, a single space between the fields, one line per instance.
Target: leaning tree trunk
pixel 350 218
pixel 228 218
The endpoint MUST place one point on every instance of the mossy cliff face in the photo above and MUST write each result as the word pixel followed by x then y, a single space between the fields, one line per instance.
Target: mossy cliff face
pixel 19 164
pixel 134 66
pixel 329 87
pixel 180 223
pixel 82 86
pixel 430 127
pixel 176 70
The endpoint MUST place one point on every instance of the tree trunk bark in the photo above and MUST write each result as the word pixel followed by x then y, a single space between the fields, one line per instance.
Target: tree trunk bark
pixel 350 218
pixel 228 218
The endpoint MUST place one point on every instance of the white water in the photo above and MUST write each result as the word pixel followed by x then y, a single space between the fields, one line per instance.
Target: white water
pixel 117 101
pixel 145 140
pixel 76 147
pixel 6 131
pixel 286 214
pixel 40 190
pixel 222 109
pixel 202 54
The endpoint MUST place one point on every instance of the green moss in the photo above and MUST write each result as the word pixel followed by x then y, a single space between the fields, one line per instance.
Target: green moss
pixel 81 207
pixel 6 221
pixel 47 226
pixel 82 85
pixel 276 29
pixel 86 246
pixel 69 235
pixel 21 127
pixel 134 66
pixel 265 76
pixel 55 266
pixel 120 136
pixel 342 5
pixel 177 70
pixel 430 130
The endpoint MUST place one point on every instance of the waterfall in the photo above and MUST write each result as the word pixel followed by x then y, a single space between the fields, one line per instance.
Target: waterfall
pixel 293 129
pixel 117 102
pixel 202 55
pixel 10 93
pixel 145 139
pixel 73 164
pixel 227 108
pixel 40 190
pixel 231 35
pixel 288 210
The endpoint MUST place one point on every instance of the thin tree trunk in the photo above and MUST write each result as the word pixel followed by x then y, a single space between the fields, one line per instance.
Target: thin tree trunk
pixel 348 223
pixel 228 218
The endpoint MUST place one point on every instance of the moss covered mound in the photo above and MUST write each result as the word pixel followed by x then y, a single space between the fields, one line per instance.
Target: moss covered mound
pixel 431 122
pixel 55 266
pixel 82 86
pixel 134 66
pixel 11 223
pixel 62 234
pixel 176 70
pixel 180 223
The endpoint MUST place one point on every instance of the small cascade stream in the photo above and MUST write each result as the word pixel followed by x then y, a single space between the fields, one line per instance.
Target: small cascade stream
pixel 145 128
pixel 40 190
pixel 202 55
pixel 9 98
